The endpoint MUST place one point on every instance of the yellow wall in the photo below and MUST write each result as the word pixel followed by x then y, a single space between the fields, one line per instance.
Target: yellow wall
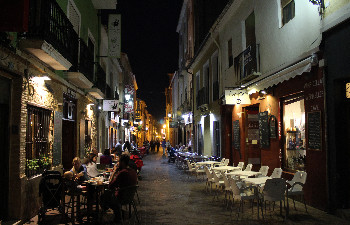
pixel 334 5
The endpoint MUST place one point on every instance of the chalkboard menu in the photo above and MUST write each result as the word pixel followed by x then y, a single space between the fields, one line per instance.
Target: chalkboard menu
pixel 314 130
pixel 264 129
pixel 273 126
pixel 236 135
pixel 57 143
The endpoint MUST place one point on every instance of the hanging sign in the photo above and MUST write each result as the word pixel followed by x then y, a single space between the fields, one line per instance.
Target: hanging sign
pixel 114 35
pixel 110 105
pixel 236 97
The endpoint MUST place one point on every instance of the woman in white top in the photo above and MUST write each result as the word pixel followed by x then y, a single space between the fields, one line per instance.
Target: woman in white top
pixel 91 166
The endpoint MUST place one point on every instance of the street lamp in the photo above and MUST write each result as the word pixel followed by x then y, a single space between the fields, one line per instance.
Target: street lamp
pixel 164 126
pixel 127 97
pixel 169 115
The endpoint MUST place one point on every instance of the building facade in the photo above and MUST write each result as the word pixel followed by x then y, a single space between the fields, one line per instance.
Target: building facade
pixel 54 83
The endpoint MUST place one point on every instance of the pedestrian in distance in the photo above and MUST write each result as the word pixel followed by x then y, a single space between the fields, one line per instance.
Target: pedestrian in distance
pixel 158 145
pixel 163 146
pixel 119 148
pixel 153 146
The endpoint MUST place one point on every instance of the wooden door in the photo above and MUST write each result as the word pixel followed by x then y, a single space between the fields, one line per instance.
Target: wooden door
pixel 252 147
pixel 68 144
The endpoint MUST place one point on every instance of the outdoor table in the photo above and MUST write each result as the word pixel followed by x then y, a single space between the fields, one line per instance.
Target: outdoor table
pixel 94 191
pixel 226 168
pixel 210 163
pixel 243 173
pixel 257 181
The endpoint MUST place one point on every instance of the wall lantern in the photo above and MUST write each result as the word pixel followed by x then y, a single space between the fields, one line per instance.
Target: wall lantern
pixel 169 115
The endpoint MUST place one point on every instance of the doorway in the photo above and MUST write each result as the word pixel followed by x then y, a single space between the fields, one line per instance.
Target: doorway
pixel 253 151
pixel 68 132
pixel 342 142
pixel 5 91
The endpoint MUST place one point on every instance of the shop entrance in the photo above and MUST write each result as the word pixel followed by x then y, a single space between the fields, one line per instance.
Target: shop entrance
pixel 5 90
pixel 342 142
pixel 68 132
pixel 253 151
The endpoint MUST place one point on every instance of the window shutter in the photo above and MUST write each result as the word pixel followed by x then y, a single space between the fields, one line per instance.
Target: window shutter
pixel 74 17
pixel 285 2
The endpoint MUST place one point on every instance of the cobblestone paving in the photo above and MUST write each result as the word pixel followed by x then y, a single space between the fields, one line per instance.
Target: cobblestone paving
pixel 168 196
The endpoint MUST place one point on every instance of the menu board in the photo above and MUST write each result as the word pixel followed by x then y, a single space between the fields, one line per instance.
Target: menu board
pixel 273 126
pixel 264 129
pixel 314 130
pixel 236 135
pixel 57 143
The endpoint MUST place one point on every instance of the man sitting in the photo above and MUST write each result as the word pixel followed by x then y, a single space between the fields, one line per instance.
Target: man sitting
pixel 122 176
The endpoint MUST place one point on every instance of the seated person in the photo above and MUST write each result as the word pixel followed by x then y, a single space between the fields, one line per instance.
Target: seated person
pixel 91 166
pixel 122 176
pixel 106 159
pixel 79 171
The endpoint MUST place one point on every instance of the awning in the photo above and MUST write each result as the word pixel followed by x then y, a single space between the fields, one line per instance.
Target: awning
pixel 267 81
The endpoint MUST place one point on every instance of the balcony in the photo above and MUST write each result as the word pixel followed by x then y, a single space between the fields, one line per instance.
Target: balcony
pixel 51 36
pixel 99 88
pixel 247 64
pixel 81 74
pixel 203 99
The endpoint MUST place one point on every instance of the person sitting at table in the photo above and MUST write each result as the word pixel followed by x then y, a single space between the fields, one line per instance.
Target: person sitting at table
pixel 106 159
pixel 122 176
pixel 79 170
pixel 91 166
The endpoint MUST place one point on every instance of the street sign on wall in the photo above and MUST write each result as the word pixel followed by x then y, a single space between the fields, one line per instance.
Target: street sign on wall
pixel 114 35
pixel 111 105
pixel 236 97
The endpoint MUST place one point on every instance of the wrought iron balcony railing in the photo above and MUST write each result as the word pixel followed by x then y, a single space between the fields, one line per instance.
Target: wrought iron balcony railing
pixel 48 22
pixel 86 61
pixel 247 63
pixel 100 78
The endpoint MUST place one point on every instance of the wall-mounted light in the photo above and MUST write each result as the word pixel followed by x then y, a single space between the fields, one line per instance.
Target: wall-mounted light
pixel 169 115
pixel 164 126
pixel 262 92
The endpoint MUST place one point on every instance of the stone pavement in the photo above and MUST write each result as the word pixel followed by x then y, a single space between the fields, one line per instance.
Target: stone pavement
pixel 168 196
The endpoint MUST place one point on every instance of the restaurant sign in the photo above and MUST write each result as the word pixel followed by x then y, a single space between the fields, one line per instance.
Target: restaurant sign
pixel 110 105
pixel 114 35
pixel 236 97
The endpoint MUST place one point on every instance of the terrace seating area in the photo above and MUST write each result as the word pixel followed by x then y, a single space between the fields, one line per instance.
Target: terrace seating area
pixel 238 184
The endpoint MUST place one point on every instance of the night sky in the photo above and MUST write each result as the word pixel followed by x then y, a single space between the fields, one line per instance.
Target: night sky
pixel 150 39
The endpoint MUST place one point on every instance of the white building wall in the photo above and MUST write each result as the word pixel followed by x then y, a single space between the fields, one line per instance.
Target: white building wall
pixel 302 34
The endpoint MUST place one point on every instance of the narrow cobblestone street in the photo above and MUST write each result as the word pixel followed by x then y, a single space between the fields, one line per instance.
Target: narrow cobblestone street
pixel 168 196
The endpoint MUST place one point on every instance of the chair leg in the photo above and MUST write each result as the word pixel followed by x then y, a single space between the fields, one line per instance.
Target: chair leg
pixel 294 203
pixel 305 203
pixel 136 214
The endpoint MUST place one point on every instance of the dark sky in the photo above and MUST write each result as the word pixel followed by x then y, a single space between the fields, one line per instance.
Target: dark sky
pixel 149 38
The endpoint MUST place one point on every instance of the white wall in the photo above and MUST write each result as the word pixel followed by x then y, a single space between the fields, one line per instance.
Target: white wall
pixel 278 45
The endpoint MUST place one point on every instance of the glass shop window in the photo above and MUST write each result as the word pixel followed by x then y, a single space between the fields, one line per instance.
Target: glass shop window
pixel 294 133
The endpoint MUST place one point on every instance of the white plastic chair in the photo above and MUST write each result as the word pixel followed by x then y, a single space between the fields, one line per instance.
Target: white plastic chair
pixel 226 162
pixel 199 170
pixel 242 193
pixel 249 167
pixel 227 189
pixel 274 191
pixel 241 164
pixel 277 173
pixel 263 171
pixel 210 179
pixel 297 185
pixel 218 184
pixel 191 169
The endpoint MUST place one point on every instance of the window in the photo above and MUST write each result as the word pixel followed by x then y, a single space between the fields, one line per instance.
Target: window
pixel 206 82
pixel 197 84
pixel 229 53
pixel 288 11
pixel 215 76
pixel 37 144
pixel 294 133
pixel 74 16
